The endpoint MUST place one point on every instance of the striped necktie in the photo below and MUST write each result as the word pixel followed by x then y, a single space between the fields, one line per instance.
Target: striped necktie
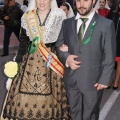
pixel 82 29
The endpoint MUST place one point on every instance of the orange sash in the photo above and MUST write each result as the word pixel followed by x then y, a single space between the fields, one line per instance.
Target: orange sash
pixel 34 30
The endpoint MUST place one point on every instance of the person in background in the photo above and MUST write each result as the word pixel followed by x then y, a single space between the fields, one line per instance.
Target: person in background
pixel 16 3
pixel 102 8
pixel 11 15
pixel 116 20
pixel 24 6
pixel 109 2
pixel 88 61
pixel 0 15
pixel 59 2
pixel 112 9
pixel 114 3
pixel 65 6
pixel 38 92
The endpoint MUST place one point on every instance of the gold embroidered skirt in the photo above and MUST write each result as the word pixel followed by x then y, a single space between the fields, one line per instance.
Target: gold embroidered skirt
pixel 37 93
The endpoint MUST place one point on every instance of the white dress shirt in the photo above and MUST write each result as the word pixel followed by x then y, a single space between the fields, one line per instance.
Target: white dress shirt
pixel 79 21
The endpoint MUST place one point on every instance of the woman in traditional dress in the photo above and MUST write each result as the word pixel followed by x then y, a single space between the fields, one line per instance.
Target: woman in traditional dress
pixel 65 6
pixel 38 92
pixel 102 8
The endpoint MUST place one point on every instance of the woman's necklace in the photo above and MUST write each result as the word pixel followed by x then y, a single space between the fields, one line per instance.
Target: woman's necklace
pixel 42 25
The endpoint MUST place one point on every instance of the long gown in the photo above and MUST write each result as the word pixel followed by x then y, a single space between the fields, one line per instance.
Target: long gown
pixel 37 92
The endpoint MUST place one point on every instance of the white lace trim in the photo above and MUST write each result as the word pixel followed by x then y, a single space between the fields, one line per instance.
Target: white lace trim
pixel 52 26
pixel 25 26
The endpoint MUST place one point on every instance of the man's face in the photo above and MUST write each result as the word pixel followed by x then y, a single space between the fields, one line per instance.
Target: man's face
pixel 84 7
pixel 12 3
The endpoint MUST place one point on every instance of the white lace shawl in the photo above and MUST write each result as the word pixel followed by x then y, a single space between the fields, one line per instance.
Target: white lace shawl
pixel 52 26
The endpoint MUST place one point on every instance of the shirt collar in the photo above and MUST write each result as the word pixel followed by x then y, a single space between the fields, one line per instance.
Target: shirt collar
pixel 89 17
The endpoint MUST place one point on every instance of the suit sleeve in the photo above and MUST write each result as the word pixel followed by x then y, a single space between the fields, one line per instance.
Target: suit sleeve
pixel 60 41
pixel 3 13
pixel 109 54
pixel 19 13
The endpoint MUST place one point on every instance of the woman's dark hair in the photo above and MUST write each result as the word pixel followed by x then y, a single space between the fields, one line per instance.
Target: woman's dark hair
pixel 117 7
pixel 25 2
pixel 65 4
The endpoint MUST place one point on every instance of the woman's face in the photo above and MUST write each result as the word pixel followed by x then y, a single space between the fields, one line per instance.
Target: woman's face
pixel 64 8
pixel 43 4
pixel 102 4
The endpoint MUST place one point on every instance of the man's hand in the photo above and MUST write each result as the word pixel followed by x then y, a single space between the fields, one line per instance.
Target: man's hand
pixel 6 18
pixel 64 48
pixel 100 86
pixel 73 64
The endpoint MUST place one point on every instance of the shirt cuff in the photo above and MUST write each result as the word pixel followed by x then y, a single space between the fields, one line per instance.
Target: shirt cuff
pixel 66 64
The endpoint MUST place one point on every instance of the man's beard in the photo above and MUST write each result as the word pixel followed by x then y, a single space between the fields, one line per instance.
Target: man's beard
pixel 86 12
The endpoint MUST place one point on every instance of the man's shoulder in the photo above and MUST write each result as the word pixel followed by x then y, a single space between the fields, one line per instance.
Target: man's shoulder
pixel 104 20
pixel 69 20
pixel 16 7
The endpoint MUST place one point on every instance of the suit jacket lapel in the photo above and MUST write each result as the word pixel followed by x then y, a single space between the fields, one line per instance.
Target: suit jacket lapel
pixel 74 28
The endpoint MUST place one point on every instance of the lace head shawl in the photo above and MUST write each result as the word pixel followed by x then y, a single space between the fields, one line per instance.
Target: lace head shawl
pixel 53 23
pixel 97 5
pixel 70 12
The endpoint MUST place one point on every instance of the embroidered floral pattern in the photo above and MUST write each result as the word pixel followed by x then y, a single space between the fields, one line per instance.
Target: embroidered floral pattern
pixel 27 100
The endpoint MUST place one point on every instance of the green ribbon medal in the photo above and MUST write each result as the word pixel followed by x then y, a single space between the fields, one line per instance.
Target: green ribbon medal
pixel 15 22
pixel 34 45
pixel 91 32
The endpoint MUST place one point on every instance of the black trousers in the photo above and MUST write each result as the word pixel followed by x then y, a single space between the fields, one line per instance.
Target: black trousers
pixel 84 104
pixel 7 34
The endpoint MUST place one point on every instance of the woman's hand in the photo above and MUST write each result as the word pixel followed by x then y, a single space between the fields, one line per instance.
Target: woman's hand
pixel 64 48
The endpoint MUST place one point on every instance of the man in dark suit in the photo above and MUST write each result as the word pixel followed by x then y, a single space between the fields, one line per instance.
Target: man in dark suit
pixel 11 15
pixel 89 60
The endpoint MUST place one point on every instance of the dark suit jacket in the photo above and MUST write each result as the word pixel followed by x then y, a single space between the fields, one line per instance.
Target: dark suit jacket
pixel 97 57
